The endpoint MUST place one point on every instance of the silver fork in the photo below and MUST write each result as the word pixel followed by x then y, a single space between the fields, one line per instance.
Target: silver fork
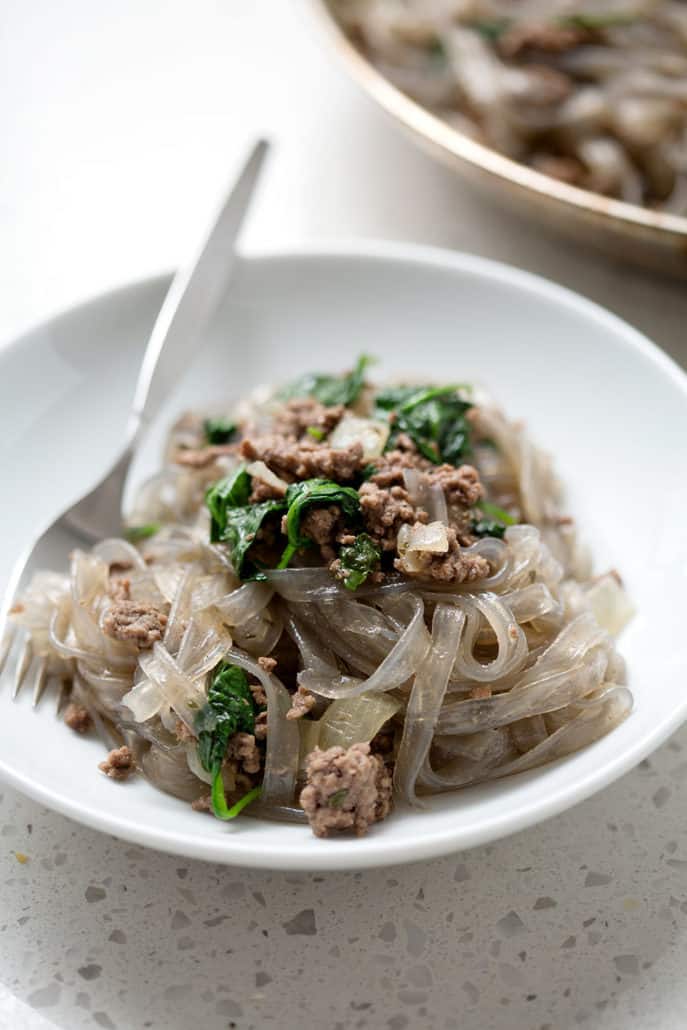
pixel 192 299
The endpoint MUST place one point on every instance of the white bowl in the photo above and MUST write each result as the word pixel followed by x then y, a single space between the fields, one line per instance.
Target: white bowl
pixel 610 406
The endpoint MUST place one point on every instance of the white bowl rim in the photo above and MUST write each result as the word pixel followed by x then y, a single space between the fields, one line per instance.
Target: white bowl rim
pixel 381 850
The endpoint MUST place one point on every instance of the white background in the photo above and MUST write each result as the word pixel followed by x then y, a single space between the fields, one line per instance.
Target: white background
pixel 120 125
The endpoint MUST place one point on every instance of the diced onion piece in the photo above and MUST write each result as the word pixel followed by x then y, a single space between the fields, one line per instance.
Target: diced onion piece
pixel 259 470
pixel 309 733
pixel 144 700
pixel 372 435
pixel 610 604
pixel 356 720
pixel 431 538
pixel 416 543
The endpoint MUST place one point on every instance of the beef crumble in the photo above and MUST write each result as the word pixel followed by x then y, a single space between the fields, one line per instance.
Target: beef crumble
pixel 293 461
pixel 385 510
pixel 346 789
pixel 546 37
pixel 324 526
pixel 131 622
pixel 203 456
pixel 301 703
pixel 77 717
pixel 244 750
pixel 119 763
pixel 261 725
pixel 454 566
pixel 304 413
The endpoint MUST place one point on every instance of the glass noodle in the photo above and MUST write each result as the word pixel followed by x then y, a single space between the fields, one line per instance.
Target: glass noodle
pixel 470 681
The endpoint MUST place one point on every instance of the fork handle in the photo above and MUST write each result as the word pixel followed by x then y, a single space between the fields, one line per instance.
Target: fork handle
pixel 192 299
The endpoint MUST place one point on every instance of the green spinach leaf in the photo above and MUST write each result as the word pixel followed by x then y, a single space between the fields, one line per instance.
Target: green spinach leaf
pixel 330 390
pixel 497 522
pixel 304 495
pixel 591 22
pixel 242 527
pixel 231 492
pixel 490 28
pixel 219 430
pixel 235 522
pixel 432 416
pixel 229 709
pixel 136 533
pixel 358 560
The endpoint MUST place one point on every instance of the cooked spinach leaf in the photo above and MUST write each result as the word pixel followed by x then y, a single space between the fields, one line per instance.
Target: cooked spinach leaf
pixel 490 28
pixel 229 709
pixel 488 527
pixel 235 522
pixel 330 390
pixel 590 22
pixel 243 526
pixel 358 560
pixel 432 416
pixel 231 492
pixel 496 524
pixel 221 810
pixel 495 512
pixel 219 430
pixel 436 49
pixel 309 493
pixel 136 533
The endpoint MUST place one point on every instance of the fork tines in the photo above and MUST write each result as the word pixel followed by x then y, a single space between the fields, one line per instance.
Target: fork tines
pixel 24 660
pixel 6 646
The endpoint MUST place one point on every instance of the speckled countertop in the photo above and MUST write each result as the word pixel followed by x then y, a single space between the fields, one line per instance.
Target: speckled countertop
pixel 581 921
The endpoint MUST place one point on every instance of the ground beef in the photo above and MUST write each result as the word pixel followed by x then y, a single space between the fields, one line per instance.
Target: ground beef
pixel 77 717
pixel 545 86
pixel 455 566
pixel 324 526
pixel 260 731
pixel 545 36
pixel 385 510
pixel 119 763
pixel 480 692
pixel 256 689
pixel 183 733
pixel 203 456
pixel 262 491
pixel 301 703
pixel 269 665
pixel 119 588
pixel 346 789
pixel 294 461
pixel 140 624
pixel 202 804
pixel 389 467
pixel 243 748
pixel 299 415
pixel 461 485
pixel 565 169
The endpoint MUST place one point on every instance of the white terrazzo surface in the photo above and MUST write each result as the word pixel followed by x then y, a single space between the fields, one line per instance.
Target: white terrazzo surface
pixel 582 921
pixel 122 120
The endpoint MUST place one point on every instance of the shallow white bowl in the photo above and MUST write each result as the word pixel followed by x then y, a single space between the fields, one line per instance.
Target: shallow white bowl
pixel 605 401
